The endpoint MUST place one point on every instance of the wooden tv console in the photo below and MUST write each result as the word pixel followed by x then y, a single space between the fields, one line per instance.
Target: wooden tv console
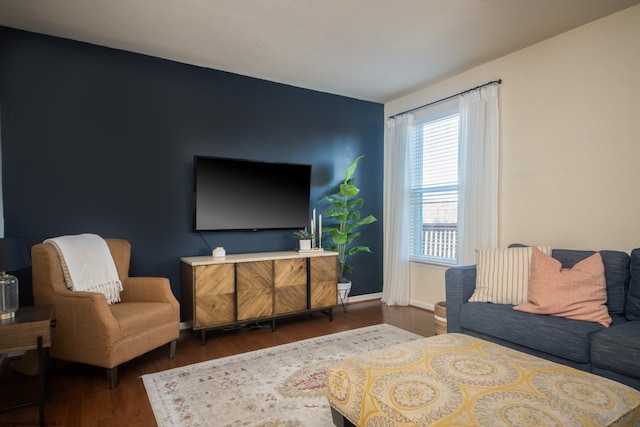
pixel 242 288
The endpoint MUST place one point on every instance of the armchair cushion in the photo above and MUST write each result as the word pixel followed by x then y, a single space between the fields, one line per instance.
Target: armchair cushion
pixel 134 318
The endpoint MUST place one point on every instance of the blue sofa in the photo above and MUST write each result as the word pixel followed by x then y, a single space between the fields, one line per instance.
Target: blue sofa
pixel 612 352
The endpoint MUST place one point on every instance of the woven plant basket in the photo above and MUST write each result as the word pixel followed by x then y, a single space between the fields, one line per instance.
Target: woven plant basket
pixel 440 317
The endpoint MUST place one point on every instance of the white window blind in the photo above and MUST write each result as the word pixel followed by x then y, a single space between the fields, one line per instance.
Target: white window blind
pixel 434 188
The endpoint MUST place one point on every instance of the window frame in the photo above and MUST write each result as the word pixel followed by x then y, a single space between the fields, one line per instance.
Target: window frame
pixel 430 114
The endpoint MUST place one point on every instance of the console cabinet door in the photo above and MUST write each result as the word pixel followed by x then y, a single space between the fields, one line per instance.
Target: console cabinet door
pixel 324 282
pixel 214 295
pixel 290 282
pixel 254 285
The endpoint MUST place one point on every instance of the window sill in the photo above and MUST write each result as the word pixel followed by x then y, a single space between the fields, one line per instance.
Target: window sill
pixel 433 262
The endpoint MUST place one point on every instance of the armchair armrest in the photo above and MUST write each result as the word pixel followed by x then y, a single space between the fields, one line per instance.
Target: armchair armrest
pixel 86 315
pixel 460 282
pixel 149 289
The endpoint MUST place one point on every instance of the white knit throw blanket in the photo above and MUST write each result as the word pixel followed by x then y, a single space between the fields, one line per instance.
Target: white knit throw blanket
pixel 88 265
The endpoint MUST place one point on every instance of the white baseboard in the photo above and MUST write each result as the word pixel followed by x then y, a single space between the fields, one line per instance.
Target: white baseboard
pixel 421 304
pixel 378 296
pixel 366 297
pixel 185 325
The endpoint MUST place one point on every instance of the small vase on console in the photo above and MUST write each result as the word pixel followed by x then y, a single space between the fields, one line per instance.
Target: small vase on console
pixel 219 252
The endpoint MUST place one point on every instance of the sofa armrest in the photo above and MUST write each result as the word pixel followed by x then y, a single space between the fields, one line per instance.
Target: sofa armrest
pixel 460 282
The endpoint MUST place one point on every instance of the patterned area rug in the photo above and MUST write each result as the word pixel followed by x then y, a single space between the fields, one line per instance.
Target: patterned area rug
pixel 278 386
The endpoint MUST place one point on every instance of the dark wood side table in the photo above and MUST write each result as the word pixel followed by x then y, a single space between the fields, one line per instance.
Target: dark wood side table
pixel 30 329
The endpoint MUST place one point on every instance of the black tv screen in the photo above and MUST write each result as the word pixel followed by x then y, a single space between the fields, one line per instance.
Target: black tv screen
pixel 232 194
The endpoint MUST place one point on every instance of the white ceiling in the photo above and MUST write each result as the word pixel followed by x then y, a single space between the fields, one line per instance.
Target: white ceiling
pixel 375 50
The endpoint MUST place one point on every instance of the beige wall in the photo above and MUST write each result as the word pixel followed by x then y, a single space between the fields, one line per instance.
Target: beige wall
pixel 570 141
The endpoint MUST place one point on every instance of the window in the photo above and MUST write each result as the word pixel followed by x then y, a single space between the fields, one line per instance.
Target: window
pixel 434 187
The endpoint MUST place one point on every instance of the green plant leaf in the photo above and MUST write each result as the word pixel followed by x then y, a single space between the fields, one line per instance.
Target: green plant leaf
pixel 338 202
pixel 338 237
pixel 302 234
pixel 352 168
pixel 355 249
pixel 353 236
pixel 364 221
pixel 347 190
pixel 354 203
pixel 330 247
pixel 353 215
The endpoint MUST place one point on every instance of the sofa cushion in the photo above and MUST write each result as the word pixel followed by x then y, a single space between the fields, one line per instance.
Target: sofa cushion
pixel 559 336
pixel 616 271
pixel 576 293
pixel 503 274
pixel 618 349
pixel 633 302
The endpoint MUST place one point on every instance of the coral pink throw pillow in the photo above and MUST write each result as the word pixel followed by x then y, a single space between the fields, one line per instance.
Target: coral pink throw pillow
pixel 578 293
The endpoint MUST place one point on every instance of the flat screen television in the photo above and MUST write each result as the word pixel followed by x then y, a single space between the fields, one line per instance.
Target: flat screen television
pixel 233 194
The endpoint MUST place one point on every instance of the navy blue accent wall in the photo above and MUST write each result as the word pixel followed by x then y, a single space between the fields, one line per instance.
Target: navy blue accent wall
pixel 102 141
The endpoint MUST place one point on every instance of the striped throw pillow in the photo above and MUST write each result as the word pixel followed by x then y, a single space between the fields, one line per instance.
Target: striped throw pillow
pixel 502 275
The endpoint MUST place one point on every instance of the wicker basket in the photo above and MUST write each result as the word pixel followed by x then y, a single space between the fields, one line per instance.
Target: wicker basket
pixel 440 317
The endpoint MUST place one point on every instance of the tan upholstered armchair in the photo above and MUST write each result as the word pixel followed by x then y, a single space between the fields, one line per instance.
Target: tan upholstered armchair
pixel 90 331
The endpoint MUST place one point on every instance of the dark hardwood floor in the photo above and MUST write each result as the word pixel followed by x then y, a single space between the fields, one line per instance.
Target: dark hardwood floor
pixel 79 393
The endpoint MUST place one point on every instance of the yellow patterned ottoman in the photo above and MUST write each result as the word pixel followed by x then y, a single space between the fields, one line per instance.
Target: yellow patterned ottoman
pixel 458 380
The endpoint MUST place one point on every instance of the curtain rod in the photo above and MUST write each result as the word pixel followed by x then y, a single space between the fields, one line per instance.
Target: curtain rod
pixel 499 81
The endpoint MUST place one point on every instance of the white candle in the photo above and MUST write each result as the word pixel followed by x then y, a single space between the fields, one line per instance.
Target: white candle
pixel 313 224
pixel 320 231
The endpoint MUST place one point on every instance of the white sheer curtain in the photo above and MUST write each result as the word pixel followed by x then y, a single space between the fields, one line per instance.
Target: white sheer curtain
pixel 478 157
pixel 395 290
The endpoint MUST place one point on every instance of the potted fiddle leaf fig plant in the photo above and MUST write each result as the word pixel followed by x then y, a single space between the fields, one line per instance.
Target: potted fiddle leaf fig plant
pixel 345 211
pixel 304 237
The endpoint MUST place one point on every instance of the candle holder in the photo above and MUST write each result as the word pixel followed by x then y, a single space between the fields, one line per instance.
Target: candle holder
pixel 316 231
